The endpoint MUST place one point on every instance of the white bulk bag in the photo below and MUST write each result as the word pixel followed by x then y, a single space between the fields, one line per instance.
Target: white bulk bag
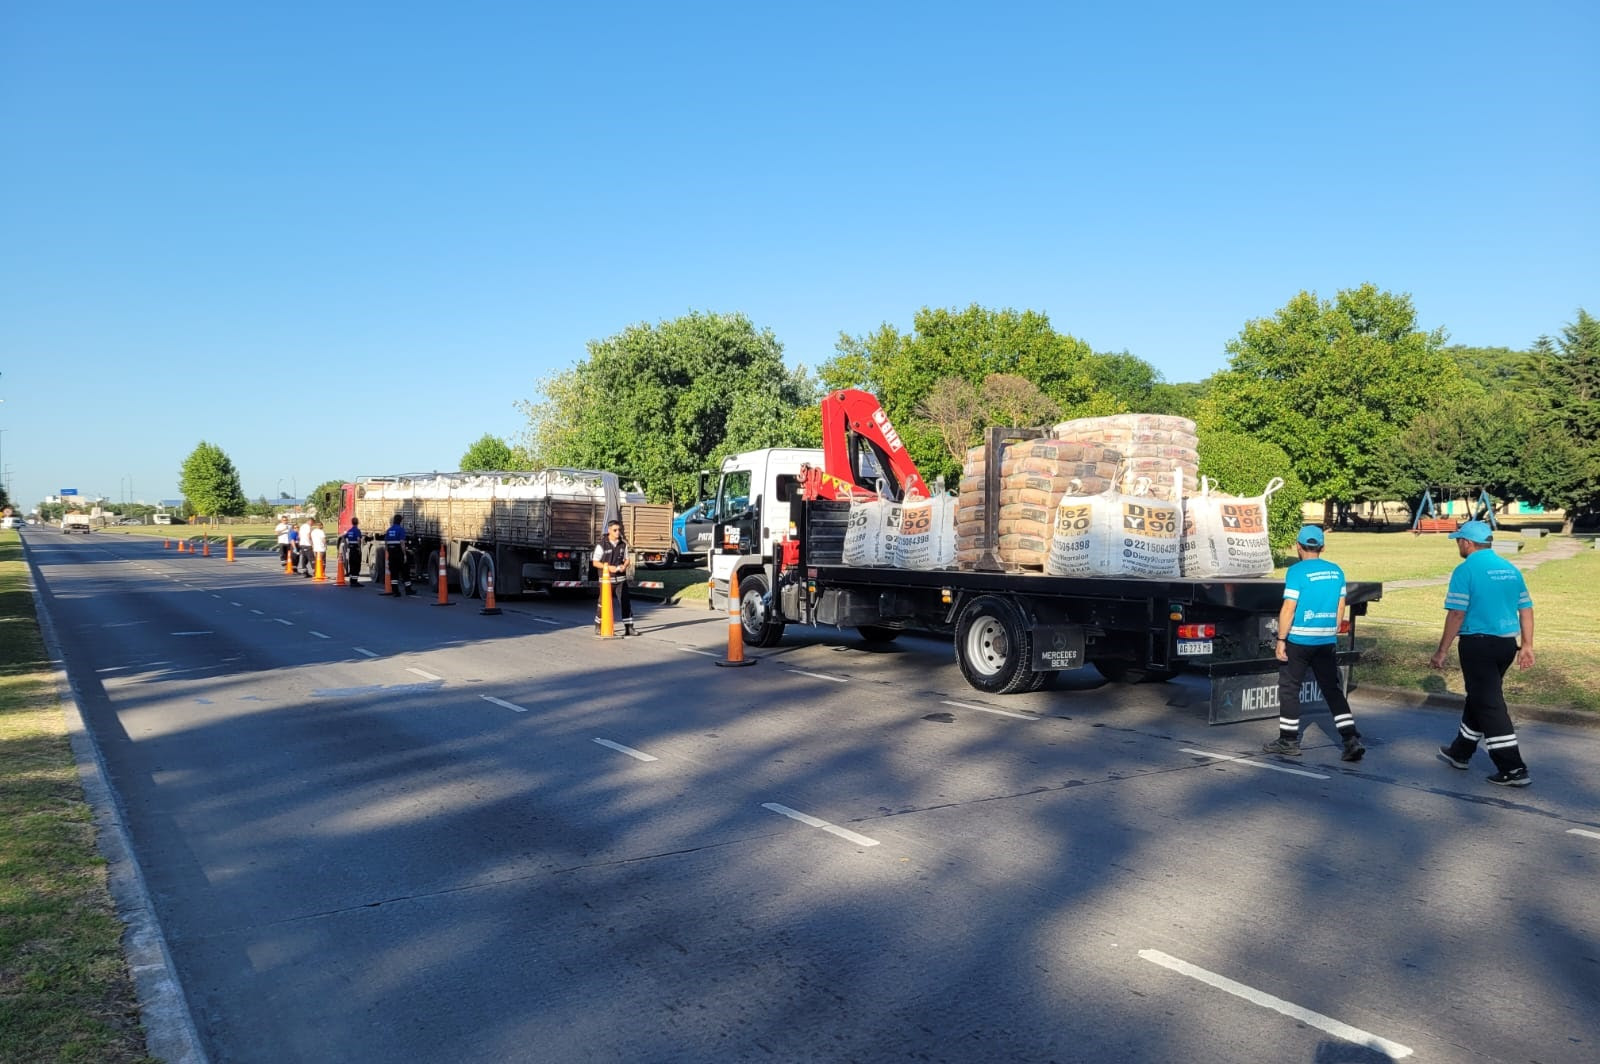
pixel 869 537
pixel 1115 534
pixel 1228 536
pixel 926 538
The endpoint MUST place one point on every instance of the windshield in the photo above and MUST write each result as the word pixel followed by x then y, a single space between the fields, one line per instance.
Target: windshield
pixel 733 493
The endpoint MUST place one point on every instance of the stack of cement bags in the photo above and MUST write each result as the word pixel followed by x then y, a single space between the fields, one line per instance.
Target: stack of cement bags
pixel 1155 447
pixel 1034 475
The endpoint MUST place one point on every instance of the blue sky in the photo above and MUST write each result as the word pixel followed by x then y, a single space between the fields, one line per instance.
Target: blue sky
pixel 345 239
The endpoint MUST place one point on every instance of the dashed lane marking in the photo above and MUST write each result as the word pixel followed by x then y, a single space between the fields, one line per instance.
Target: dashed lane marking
pixel 630 751
pixel 1248 763
pixel 280 620
pixel 695 650
pixel 319 635
pixel 207 632
pixel 502 702
pixel 1585 834
pixel 820 676
pixel 423 673
pixel 986 709
pixel 364 652
pixel 1332 1026
pixel 832 829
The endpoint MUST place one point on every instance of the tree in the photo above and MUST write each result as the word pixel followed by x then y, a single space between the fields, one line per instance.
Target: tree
pixel 210 483
pixel 1474 441
pixel 491 453
pixel 1243 466
pixel 902 370
pixel 1563 456
pixel 953 409
pixel 657 403
pixel 326 500
pixel 1332 384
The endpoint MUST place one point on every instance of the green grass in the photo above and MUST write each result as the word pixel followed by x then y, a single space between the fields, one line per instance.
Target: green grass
pixel 1387 556
pixel 65 993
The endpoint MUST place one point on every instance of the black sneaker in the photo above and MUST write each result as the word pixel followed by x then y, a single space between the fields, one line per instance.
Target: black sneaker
pixel 1353 750
pixel 1517 777
pixel 1282 746
pixel 1450 759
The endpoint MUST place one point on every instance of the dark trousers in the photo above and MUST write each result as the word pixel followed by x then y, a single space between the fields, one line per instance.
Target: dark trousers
pixel 283 554
pixel 1320 660
pixel 621 605
pixel 399 570
pixel 352 560
pixel 1484 717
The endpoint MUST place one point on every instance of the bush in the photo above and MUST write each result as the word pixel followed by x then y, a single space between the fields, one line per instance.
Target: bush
pixel 1242 466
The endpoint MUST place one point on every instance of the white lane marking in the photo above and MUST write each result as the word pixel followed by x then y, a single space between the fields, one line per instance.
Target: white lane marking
pixel 1255 764
pixel 1315 1019
pixel 832 829
pixel 207 632
pixel 319 635
pixel 1585 834
pixel 547 620
pixel 692 650
pixel 258 613
pixel 123 624
pixel 216 596
pixel 630 751
pixel 114 668
pixel 423 673
pixel 504 703
pixel 280 620
pixel 233 603
pixel 363 651
pixel 819 676
pixel 986 709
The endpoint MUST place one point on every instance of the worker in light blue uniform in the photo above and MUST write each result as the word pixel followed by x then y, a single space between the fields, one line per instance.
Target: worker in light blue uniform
pixel 1487 604
pixel 1308 635
pixel 394 546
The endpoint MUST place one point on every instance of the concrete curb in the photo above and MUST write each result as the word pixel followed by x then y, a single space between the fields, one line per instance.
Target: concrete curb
pixel 170 1033
pixel 1453 702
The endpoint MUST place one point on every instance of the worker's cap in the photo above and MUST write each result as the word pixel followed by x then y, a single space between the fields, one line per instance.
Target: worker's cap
pixel 1310 536
pixel 1474 532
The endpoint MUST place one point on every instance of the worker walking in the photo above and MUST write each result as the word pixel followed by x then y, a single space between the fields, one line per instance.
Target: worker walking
pixel 394 548
pixel 351 541
pixel 303 562
pixel 282 532
pixel 291 548
pixel 613 551
pixel 1308 633
pixel 1487 604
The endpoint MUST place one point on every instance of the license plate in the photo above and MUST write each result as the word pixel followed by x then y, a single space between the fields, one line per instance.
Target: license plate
pixel 1194 647
pixel 563 565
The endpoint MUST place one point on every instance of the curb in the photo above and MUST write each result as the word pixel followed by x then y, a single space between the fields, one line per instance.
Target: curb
pixel 169 1030
pixel 1453 702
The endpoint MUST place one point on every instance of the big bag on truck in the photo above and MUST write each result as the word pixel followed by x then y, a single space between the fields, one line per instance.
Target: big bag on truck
pixel 1115 534
pixel 1225 536
pixel 871 532
pixel 926 537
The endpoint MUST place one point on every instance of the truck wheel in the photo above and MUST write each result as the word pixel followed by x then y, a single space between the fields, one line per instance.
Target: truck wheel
pixel 877 634
pixel 1121 670
pixel 761 628
pixel 994 647
pixel 467 574
pixel 430 575
pixel 484 565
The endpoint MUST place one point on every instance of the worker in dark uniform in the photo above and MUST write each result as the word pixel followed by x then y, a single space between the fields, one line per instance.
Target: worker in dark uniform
pixel 613 551
pixel 394 547
pixel 1308 633
pixel 1487 604
pixel 352 552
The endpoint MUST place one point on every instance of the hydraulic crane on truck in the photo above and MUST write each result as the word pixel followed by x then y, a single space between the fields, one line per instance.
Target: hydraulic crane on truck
pixel 863 456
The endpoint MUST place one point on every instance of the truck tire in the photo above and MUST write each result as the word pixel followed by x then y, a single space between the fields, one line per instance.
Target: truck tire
pixel 876 634
pixel 994 647
pixel 761 628
pixel 484 566
pixel 467 574
pixel 430 575
pixel 1121 670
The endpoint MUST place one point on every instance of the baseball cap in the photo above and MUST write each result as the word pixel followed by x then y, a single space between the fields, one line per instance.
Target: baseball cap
pixel 1310 536
pixel 1474 532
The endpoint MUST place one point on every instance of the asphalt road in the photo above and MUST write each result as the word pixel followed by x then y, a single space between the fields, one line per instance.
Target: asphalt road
pixel 381 830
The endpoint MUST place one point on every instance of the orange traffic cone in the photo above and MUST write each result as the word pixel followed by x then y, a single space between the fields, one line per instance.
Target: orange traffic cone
pixel 489 608
pixel 388 581
pixel 338 574
pixel 319 577
pixel 183 546
pixel 230 550
pixel 444 579
pixel 735 628
pixel 205 547
pixel 608 622
pixel 166 544
pixel 288 561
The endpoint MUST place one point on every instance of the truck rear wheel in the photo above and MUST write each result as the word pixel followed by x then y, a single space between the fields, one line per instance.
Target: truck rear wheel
pixel 994 647
pixel 761 627
pixel 467 574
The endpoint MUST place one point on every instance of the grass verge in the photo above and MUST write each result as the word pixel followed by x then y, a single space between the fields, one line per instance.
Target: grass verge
pixel 65 993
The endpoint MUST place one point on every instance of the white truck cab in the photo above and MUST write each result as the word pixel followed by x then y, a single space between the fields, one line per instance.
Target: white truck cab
pixel 751 514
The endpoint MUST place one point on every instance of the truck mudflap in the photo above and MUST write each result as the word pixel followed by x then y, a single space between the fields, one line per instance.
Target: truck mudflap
pixel 1248 690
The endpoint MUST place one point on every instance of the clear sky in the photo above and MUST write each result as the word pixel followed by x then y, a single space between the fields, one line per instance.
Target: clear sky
pixel 340 239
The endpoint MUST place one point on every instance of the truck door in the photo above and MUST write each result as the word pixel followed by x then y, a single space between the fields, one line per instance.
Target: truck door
pixel 737 522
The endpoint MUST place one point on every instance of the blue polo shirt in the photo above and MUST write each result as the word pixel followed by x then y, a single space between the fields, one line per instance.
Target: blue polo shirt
pixel 1315 587
pixel 1490 590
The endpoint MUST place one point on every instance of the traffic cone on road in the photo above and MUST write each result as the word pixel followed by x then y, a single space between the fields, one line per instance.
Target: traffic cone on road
pixel 444 579
pixel 183 546
pixel 230 550
pixel 338 573
pixel 735 628
pixel 388 582
pixel 288 561
pixel 205 547
pixel 320 577
pixel 166 544
pixel 607 628
pixel 489 608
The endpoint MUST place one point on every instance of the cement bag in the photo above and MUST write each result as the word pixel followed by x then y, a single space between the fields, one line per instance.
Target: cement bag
pixel 870 533
pixel 1115 535
pixel 1229 535
pixel 927 534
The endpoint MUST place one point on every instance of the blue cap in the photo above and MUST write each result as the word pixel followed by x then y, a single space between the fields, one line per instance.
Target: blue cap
pixel 1474 532
pixel 1310 536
